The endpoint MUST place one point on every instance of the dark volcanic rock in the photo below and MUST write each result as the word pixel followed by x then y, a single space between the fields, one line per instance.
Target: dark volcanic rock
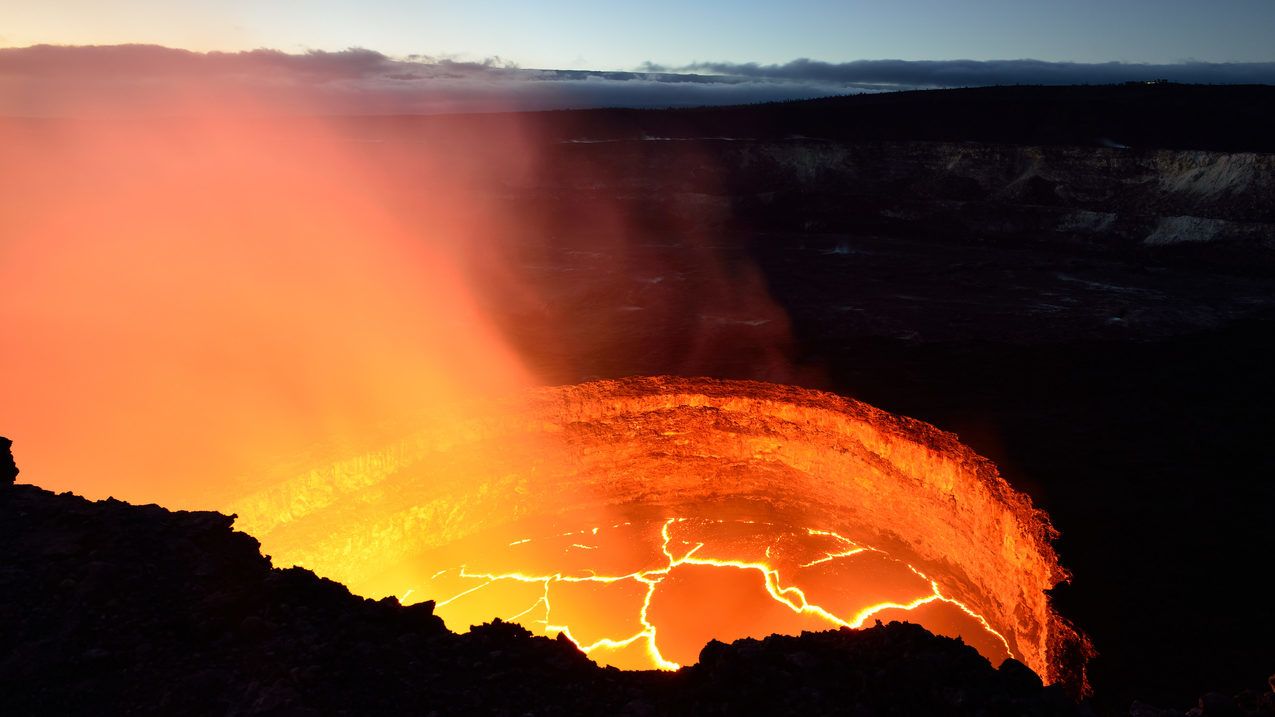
pixel 896 669
pixel 8 468
pixel 1248 703
pixel 110 608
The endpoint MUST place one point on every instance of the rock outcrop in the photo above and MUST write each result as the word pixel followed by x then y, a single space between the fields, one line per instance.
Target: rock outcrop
pixel 8 468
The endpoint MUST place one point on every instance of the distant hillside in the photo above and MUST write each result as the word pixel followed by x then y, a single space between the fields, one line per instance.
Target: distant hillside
pixel 1231 118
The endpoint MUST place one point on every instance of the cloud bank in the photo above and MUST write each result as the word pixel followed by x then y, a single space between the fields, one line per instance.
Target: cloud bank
pixel 48 80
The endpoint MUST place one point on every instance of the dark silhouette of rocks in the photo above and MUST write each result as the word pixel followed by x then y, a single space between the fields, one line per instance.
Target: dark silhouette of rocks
pixel 1248 703
pixel 111 608
pixel 8 468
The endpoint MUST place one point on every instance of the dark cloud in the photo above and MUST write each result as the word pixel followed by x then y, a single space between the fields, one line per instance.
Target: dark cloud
pixel 130 79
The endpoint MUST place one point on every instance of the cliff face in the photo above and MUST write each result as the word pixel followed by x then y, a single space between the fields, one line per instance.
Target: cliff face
pixel 1101 196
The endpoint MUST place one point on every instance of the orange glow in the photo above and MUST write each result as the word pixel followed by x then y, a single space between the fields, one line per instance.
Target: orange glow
pixel 187 303
pixel 644 517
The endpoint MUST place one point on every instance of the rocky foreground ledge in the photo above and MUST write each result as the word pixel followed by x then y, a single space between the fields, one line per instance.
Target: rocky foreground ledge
pixel 111 608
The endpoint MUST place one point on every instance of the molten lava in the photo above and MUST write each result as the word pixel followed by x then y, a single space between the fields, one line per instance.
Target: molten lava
pixel 713 604
pixel 643 517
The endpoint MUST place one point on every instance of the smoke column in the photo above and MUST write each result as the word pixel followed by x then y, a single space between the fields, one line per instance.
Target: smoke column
pixel 187 302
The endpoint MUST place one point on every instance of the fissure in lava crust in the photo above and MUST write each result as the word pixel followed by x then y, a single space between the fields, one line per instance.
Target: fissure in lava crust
pixel 643 517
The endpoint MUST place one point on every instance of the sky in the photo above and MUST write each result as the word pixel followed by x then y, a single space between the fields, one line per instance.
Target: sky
pixel 427 56
pixel 608 35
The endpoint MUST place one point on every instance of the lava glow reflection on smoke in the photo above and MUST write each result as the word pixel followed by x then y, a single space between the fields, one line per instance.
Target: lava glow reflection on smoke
pixel 190 302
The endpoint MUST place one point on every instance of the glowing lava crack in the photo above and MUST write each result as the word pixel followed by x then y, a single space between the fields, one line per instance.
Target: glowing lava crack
pixel 541 613
pixel 722 509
